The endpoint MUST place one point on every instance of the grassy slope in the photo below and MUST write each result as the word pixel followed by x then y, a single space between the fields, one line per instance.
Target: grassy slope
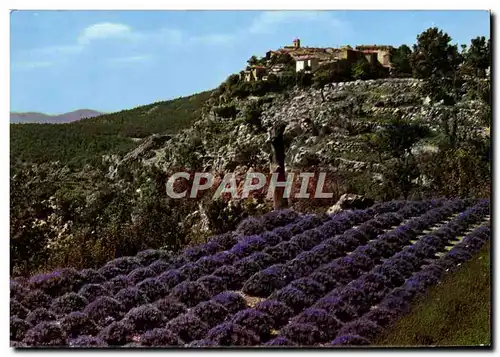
pixel 456 312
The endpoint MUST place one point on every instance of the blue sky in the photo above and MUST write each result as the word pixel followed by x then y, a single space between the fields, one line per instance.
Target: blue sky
pixel 114 60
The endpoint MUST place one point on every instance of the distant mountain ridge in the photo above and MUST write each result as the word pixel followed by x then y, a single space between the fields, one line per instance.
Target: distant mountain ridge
pixel 41 118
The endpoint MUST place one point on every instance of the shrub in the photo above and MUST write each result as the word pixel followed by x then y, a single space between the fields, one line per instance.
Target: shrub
pixel 230 334
pixel 276 310
pixel 18 328
pixel 126 264
pixel 225 241
pixel 170 307
pixel 280 341
pixel 188 327
pixel 55 283
pixel 91 276
pixel 104 307
pixel 147 257
pixel 208 264
pixel 231 301
pixel 350 340
pixel 224 257
pixel 335 305
pixel 300 267
pixel 46 334
pixel 88 341
pixel 361 327
pixel 78 323
pixel 139 274
pixel 190 271
pixel 302 334
pixel 293 298
pixel 309 287
pixel 248 245
pixel 193 253
pixel 17 291
pixel 145 317
pixel 267 281
pixel 271 238
pixel 283 251
pixel 210 312
pixel 230 276
pixel 116 284
pixel 116 334
pixel 131 297
pixel 40 315
pixel 201 343
pixel 213 284
pixel 152 289
pixel 93 291
pixel 159 266
pixel 381 316
pixel 170 278
pixel 190 293
pixel 246 268
pixel 321 319
pixel 160 337
pixel 226 111
pixel 306 241
pixel 254 320
pixel 17 309
pixel 110 271
pixel 327 280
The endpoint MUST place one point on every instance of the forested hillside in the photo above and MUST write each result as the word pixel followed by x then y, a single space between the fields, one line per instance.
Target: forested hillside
pixel 85 142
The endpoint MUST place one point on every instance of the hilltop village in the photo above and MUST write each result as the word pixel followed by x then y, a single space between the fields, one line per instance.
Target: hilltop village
pixel 310 59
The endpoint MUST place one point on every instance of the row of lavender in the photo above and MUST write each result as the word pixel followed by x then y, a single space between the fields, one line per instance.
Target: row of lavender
pixel 337 311
pixel 53 295
pixel 187 294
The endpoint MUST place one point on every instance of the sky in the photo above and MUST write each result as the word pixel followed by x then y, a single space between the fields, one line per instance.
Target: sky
pixel 114 60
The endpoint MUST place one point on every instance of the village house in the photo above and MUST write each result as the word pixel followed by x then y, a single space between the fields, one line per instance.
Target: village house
pixel 255 73
pixel 311 58
pixel 381 51
pixel 308 63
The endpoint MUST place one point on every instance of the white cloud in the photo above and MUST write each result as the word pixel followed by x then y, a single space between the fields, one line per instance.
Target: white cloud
pixel 268 21
pixel 104 30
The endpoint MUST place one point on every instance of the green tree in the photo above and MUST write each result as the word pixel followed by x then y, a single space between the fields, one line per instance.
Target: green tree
pixel 436 60
pixel 393 143
pixel 478 56
pixel 400 60
pixel 252 61
pixel 361 69
pixel 252 115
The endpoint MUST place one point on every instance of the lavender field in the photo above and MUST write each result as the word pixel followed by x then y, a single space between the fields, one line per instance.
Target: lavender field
pixel 281 279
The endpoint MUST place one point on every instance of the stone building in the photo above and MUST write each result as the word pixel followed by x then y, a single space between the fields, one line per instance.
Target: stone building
pixel 382 52
pixel 306 63
pixel 255 73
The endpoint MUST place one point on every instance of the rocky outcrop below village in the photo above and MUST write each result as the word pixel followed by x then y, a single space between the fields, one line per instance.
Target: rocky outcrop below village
pixel 324 127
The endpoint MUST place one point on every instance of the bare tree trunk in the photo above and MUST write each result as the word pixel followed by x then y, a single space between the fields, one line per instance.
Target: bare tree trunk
pixel 278 143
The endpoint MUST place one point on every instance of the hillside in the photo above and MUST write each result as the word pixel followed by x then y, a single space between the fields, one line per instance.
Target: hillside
pixel 41 118
pixel 166 117
pixel 87 140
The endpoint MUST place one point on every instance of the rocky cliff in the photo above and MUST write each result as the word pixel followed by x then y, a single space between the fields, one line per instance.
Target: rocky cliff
pixel 323 127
